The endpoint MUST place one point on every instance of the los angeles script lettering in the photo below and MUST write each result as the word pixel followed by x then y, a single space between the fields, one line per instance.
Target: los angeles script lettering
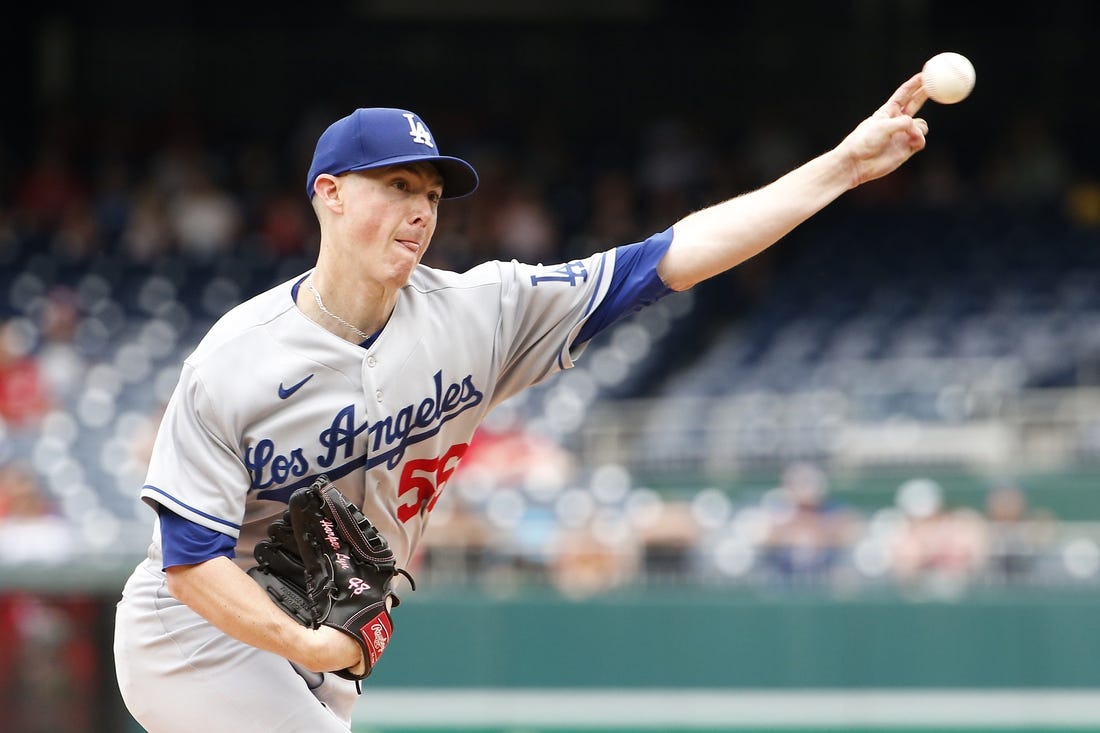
pixel 388 436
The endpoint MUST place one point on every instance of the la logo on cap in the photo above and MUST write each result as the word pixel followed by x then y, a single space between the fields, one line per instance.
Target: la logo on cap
pixel 418 131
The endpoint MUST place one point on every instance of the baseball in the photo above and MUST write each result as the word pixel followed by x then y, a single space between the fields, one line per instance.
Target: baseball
pixel 948 77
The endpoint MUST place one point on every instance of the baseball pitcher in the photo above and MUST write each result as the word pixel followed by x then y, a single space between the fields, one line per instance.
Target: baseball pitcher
pixel 315 426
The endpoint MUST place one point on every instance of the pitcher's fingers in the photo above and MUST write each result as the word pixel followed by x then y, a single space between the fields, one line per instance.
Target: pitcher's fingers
pixel 916 102
pixel 901 99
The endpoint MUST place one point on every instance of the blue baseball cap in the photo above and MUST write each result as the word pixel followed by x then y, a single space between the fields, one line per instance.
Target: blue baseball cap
pixel 379 136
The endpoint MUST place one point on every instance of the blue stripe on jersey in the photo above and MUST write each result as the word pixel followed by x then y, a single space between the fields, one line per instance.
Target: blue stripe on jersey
pixel 595 291
pixel 185 543
pixel 174 500
pixel 634 284
pixel 599 279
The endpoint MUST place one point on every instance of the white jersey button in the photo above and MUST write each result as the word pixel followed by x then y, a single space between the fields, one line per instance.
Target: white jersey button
pixel 371 361
pixel 378 395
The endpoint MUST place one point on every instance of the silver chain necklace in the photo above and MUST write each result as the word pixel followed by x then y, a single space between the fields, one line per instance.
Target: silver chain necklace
pixel 321 304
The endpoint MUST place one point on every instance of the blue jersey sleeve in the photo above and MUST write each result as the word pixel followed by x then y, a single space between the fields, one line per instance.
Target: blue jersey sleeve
pixel 634 284
pixel 185 543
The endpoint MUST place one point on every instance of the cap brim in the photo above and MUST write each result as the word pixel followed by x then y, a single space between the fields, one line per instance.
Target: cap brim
pixel 459 177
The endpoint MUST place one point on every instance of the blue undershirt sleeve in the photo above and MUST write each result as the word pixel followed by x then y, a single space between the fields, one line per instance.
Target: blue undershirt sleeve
pixel 185 543
pixel 634 284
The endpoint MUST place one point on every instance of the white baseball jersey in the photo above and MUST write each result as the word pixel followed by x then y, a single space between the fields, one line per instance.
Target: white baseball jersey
pixel 270 399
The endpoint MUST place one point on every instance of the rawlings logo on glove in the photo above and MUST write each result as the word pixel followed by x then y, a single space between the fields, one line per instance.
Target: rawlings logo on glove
pixel 324 563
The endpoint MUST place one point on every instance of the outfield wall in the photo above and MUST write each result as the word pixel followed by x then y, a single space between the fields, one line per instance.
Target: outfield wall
pixel 707 660
pixel 698 639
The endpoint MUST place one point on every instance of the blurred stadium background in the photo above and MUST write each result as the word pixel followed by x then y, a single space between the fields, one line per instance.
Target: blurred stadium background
pixel 851 485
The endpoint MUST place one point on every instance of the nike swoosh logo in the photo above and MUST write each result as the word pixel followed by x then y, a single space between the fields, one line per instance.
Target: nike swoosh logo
pixel 285 392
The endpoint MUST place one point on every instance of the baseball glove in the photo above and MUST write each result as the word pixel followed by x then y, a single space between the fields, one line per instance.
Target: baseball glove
pixel 324 563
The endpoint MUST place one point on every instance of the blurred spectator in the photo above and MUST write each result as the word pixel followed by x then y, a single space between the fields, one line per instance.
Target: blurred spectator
pixel 49 666
pixel 112 199
pixel 258 179
pixel 669 543
pixel 588 560
pixel 285 227
pixel 474 228
pixel 810 532
pixel 504 454
pixel 1018 535
pixel 461 544
pixel 147 234
pixel 673 171
pixel 77 236
pixel 936 549
pixel 523 226
pixel 48 191
pixel 205 220
pixel 61 363
pixel 452 247
pixel 24 389
pixel 141 440
pixel 30 529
